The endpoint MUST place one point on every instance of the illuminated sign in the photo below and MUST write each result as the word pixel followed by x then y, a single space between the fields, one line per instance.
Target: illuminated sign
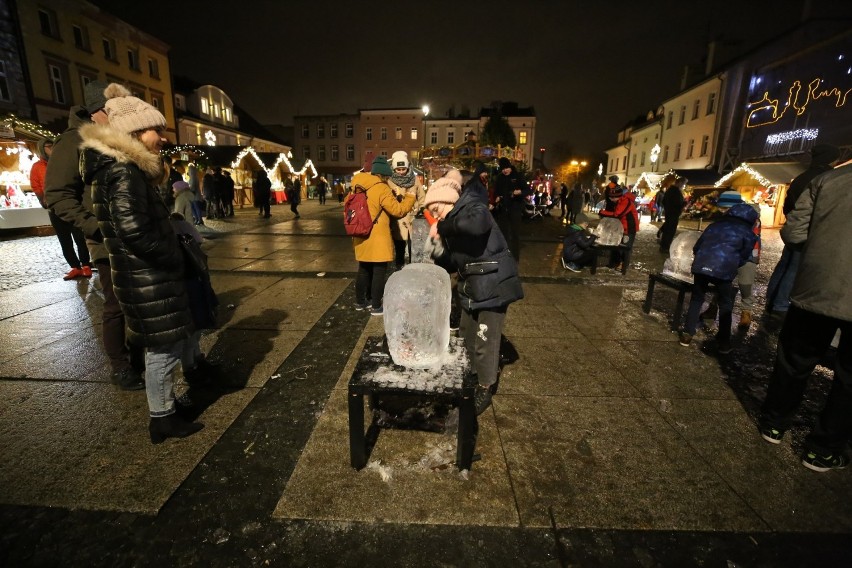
pixel 767 110
pixel 210 137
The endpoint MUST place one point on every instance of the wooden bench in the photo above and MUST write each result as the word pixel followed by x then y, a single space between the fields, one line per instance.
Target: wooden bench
pixel 376 374
pixel 682 286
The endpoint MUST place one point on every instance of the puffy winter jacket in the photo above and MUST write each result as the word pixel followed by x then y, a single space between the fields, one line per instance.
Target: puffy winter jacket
pixel 624 211
pixel 576 242
pixel 726 244
pixel 146 261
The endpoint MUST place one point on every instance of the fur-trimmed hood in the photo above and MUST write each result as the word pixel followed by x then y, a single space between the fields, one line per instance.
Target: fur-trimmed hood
pixel 122 148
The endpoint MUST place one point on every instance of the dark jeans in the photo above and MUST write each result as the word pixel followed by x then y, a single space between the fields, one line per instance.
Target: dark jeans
pixel 668 230
pixel 804 340
pixel 113 326
pixel 68 236
pixel 619 256
pixel 725 297
pixel 481 331
pixel 264 207
pixel 509 221
pixel 781 282
pixel 370 282
pixel 294 207
pixel 399 250
pixel 228 207
pixel 321 198
pixel 196 212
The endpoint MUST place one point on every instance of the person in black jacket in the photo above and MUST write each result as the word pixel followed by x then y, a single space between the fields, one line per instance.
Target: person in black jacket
pixel 673 206
pixel 227 189
pixel 488 276
pixel 511 193
pixel 262 192
pixel 121 162
pixel 576 246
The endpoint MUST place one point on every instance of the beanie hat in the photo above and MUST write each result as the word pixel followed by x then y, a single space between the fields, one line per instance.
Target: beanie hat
pixel 129 114
pixel 454 175
pixel 444 190
pixel 824 154
pixel 180 185
pixel 613 179
pixel 93 96
pixel 504 163
pixel 399 159
pixel 581 218
pixel 729 199
pixel 381 167
pixel 616 191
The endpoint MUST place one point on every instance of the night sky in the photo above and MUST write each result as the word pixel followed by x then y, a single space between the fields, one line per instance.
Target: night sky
pixel 588 67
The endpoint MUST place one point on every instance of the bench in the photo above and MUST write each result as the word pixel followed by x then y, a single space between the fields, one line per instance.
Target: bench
pixel 376 374
pixel 598 249
pixel 682 286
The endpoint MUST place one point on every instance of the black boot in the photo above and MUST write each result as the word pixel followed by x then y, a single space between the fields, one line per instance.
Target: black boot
pixel 171 426
pixel 128 379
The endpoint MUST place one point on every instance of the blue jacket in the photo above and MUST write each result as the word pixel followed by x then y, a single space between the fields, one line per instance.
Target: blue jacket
pixel 726 244
pixel 576 242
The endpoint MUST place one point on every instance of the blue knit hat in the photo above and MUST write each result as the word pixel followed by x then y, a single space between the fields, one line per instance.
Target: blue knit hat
pixel 729 199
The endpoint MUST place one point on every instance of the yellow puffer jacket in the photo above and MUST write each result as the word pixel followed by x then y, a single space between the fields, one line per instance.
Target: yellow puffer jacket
pixel 378 247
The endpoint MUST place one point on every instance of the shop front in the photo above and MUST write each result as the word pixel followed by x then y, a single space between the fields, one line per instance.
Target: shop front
pixel 765 184
pixel 19 206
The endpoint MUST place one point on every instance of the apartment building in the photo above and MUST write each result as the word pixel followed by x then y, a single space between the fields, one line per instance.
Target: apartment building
pixel 330 141
pixel 690 121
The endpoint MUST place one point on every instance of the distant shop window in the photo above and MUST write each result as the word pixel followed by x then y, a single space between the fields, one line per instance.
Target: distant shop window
pixel 57 84
pixel 205 106
pixel 677 152
pixel 81 37
pixel 335 153
pixel 711 103
pixel 350 152
pixel 705 144
pixel 669 119
pixel 306 131
pixel 332 131
pixel 383 133
pixel 133 59
pixel 109 48
pixel 321 153
pixel 153 68
pixel 320 130
pixel 5 94
pixel 696 108
pixel 47 23
pixel 690 149
pixel 349 130
pixel 451 137
pixel 306 153
pixel 682 114
pixel 433 137
pixel 368 132
pixel 665 154
pixel 398 133
pixel 414 133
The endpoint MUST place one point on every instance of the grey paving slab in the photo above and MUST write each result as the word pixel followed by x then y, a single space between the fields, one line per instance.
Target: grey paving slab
pixel 335 261
pixel 278 265
pixel 611 462
pixel 76 356
pixel 537 320
pixel 84 445
pixel 217 264
pixel 20 339
pixel 28 298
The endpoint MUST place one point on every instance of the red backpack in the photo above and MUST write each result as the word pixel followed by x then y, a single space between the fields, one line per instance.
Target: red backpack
pixel 356 214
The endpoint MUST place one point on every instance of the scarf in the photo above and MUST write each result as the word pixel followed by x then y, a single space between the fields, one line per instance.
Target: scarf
pixel 405 180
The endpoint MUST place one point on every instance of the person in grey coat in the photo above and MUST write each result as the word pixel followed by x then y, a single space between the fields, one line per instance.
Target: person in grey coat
pixel 821 304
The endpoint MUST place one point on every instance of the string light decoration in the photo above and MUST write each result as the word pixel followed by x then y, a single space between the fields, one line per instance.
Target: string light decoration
pixel 813 93
pixel 803 133
pixel 745 168
pixel 17 123
pixel 272 172
pixel 181 148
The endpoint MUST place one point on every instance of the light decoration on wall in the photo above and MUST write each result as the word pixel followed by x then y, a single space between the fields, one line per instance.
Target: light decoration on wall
pixel 802 133
pixel 649 180
pixel 210 137
pixel 272 172
pixel 813 93
pixel 745 169
pixel 12 121
pixel 184 148
pixel 655 153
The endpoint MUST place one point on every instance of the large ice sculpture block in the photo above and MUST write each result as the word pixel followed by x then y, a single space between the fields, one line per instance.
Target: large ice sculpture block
pixel 679 263
pixel 609 231
pixel 417 315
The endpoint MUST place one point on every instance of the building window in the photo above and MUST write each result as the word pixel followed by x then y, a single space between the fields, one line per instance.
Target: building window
pixel 227 112
pixel 642 159
pixel 696 108
pixel 332 130
pixel 349 130
pixel 451 137
pixel 368 132
pixel 335 153
pixel 669 119
pixel 157 102
pixel 306 153
pixel 350 152
pixel 81 37
pixel 153 68
pixel 711 103
pixel 205 106
pixel 216 112
pixel 398 133
pixel 180 102
pixel 522 137
pixel 682 114
pixel 109 48
pixel 433 137
pixel 321 153
pixel 690 150
pixel 414 133
pixel 677 152
pixel 5 94
pixel 633 161
pixel 306 131
pixel 624 163
pixel 705 144
pixel 47 23
pixel 383 133
pixel 665 154
pixel 320 130
pixel 133 59
pixel 57 84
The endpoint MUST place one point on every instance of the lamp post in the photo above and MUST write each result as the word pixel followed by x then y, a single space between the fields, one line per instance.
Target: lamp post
pixel 542 150
pixel 425 110
pixel 577 166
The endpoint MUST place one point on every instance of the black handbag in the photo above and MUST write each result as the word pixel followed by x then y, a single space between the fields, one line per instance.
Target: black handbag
pixel 195 259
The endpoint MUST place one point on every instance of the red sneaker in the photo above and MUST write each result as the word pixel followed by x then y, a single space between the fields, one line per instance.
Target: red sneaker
pixel 73 274
pixel 87 271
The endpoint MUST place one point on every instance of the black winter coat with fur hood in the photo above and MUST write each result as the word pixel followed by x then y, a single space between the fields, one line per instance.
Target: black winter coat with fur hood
pixel 147 263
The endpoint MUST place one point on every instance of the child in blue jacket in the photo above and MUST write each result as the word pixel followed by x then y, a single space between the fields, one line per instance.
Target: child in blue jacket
pixel 724 246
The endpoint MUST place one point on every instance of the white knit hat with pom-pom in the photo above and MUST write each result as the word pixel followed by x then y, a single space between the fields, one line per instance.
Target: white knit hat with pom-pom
pixel 128 113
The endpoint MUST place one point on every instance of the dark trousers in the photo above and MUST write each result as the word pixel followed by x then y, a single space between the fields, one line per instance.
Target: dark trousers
pixel 370 283
pixel 68 236
pixel 481 331
pixel 340 198
pixel 321 198
pixel 668 231
pixel 509 222
pixel 803 342
pixel 228 207
pixel 197 216
pixel 115 345
pixel 399 249
pixel 294 207
pixel 619 256
pixel 264 207
pixel 725 298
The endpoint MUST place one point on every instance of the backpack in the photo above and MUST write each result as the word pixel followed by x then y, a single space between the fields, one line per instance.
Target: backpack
pixel 356 214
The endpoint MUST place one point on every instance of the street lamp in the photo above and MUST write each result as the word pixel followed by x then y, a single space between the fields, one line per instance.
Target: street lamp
pixel 425 110
pixel 577 166
pixel 542 150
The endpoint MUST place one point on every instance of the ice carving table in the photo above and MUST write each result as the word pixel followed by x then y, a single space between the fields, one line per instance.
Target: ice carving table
pixel 682 287
pixel 457 387
pixel 598 249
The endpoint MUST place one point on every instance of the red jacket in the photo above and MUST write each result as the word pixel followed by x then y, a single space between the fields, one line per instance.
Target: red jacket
pixel 625 211
pixel 37 179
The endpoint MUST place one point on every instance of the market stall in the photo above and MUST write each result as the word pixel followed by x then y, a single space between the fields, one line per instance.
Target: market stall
pixel 765 184
pixel 19 206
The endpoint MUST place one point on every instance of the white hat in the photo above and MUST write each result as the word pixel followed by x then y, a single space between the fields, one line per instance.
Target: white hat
pixel 128 113
pixel 399 159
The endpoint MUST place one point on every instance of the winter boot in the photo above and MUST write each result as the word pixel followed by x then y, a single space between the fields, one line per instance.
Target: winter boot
pixel 171 426
pixel 745 318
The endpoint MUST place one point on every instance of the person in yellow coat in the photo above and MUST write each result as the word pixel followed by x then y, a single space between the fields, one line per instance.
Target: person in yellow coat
pixel 374 252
